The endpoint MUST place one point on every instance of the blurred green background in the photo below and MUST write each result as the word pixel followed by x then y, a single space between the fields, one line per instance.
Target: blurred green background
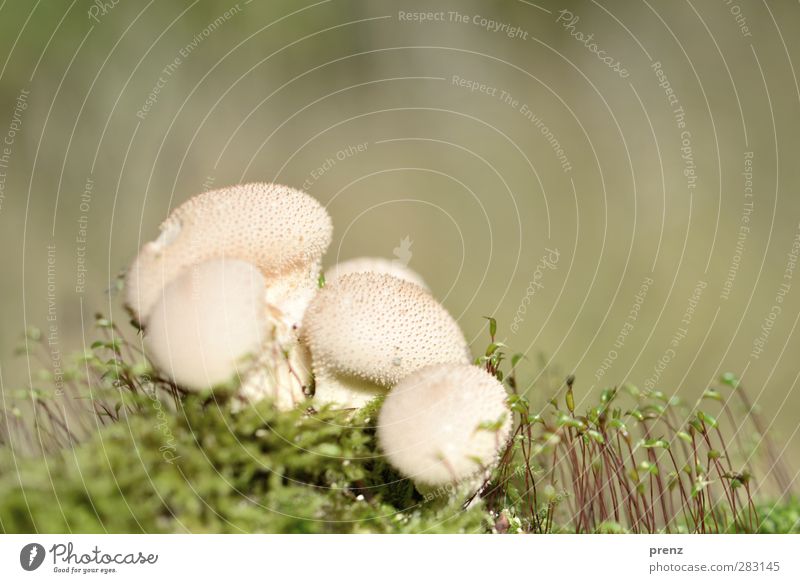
pixel 530 179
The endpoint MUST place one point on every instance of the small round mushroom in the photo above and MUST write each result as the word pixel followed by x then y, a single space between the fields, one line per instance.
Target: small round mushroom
pixel 282 231
pixel 207 322
pixel 211 327
pixel 366 331
pixel 374 265
pixel 444 424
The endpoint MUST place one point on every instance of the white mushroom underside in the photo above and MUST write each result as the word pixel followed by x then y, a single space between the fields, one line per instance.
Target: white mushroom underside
pixel 206 323
pixel 344 391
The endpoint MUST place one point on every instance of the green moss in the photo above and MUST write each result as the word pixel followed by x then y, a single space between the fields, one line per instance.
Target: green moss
pixel 634 461
pixel 780 518
pixel 205 469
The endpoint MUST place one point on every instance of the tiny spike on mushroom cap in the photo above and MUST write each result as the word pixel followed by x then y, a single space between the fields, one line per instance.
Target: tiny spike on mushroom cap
pixel 369 330
pixel 444 424
pixel 207 322
pixel 282 231
pixel 374 265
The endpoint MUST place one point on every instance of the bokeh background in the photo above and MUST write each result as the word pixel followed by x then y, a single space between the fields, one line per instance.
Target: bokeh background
pixel 616 182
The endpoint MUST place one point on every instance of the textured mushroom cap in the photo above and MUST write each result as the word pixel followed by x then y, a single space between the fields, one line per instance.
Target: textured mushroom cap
pixel 374 265
pixel 444 423
pixel 379 328
pixel 278 229
pixel 207 322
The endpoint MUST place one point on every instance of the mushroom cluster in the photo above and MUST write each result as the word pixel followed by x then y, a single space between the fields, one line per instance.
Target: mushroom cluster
pixel 230 294
pixel 221 293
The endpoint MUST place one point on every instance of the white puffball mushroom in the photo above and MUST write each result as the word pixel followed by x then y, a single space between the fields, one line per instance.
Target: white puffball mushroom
pixel 282 231
pixel 207 322
pixel 366 331
pixel 444 424
pixel 212 326
pixel 374 265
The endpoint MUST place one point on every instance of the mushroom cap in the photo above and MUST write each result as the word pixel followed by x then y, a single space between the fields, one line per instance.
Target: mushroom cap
pixel 374 265
pixel 206 322
pixel 278 229
pixel 444 423
pixel 379 328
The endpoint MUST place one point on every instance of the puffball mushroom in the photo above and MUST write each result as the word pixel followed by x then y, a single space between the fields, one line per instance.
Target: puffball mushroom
pixel 366 331
pixel 206 322
pixel 212 326
pixel 282 231
pixel 374 265
pixel 444 424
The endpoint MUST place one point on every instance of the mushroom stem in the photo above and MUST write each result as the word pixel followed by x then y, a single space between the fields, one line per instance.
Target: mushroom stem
pixel 282 372
pixel 343 390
